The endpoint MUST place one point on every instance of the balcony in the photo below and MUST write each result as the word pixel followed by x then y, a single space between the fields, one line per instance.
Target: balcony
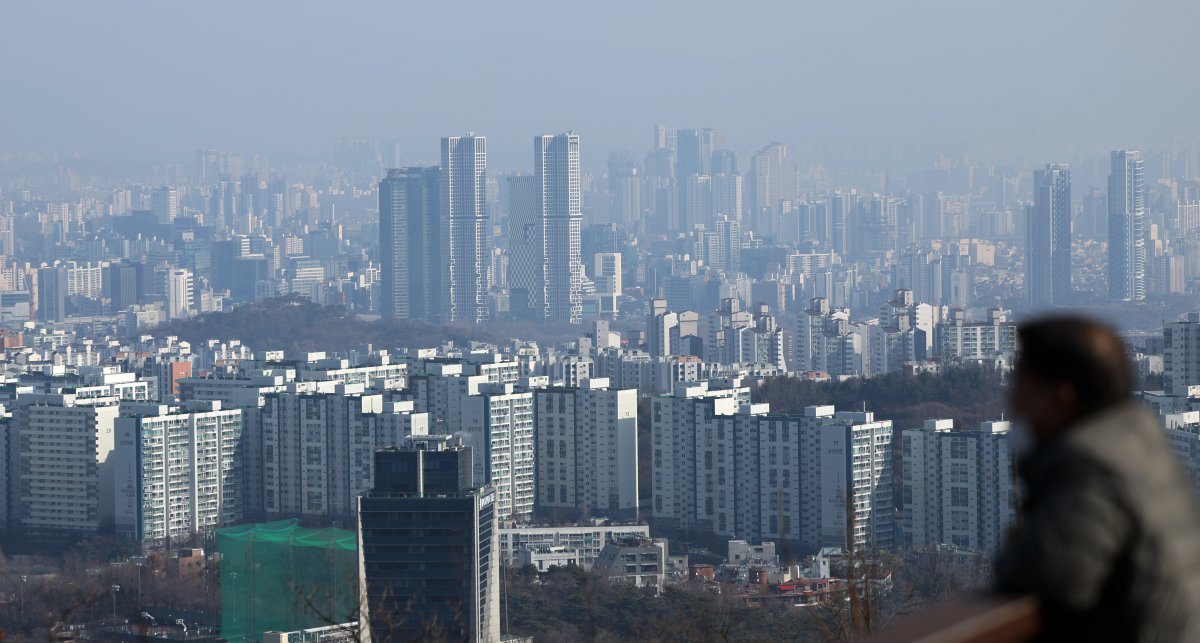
pixel 985 620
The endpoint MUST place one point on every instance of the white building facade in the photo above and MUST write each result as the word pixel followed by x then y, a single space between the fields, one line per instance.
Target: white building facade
pixel 587 449
pixel 958 486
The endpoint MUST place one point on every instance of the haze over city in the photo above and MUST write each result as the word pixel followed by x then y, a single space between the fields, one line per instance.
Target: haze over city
pixel 652 321
pixel 1012 81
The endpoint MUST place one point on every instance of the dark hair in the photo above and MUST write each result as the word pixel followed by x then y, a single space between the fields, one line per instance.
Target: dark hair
pixel 1088 355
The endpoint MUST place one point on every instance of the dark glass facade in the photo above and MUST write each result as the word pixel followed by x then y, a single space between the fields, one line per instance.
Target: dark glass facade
pixel 426 541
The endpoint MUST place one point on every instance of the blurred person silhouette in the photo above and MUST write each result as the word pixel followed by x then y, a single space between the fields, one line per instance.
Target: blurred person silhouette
pixel 1108 537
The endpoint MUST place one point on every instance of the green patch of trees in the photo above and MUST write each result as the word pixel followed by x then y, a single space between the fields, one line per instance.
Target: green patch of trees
pixel 969 395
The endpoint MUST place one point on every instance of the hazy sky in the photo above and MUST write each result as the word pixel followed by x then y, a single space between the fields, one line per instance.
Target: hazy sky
pixel 1039 77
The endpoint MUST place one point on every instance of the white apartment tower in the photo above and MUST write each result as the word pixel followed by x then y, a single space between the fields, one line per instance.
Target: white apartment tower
pixel 64 477
pixel 556 172
pixel 496 421
pixel 177 472
pixel 958 486
pixel 728 468
pixel 1127 227
pixel 178 288
pixel 465 236
pixel 587 449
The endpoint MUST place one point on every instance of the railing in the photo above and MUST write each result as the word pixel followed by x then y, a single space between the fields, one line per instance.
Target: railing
pixel 989 620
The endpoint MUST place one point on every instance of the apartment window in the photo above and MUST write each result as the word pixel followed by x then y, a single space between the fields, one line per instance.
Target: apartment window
pixel 958 448
pixel 959 497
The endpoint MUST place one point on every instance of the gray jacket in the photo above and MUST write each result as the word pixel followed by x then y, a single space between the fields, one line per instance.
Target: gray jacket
pixel 1109 539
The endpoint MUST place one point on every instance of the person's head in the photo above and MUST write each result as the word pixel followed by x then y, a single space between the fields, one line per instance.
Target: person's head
pixel 1067 369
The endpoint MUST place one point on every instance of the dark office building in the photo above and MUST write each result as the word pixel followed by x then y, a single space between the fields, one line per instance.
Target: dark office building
pixel 125 285
pixel 426 544
pixel 224 253
pixel 410 243
pixel 52 294
pixel 247 272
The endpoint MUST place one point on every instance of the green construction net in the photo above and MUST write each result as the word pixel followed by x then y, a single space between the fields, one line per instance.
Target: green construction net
pixel 279 576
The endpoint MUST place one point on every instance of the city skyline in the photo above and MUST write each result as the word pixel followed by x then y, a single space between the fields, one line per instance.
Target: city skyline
pixel 787 310
pixel 893 51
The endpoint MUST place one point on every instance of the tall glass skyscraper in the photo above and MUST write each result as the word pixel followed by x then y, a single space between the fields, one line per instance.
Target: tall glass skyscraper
pixel 409 243
pixel 1127 227
pixel 426 544
pixel 1048 238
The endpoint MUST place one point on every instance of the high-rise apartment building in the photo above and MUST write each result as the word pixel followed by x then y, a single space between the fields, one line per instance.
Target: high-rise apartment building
pixel 827 342
pixel 693 157
pixel 1048 238
pixel 7 236
pixel 124 285
pixel 840 207
pixel 771 179
pixel 729 468
pixel 410 243
pixel 497 421
pixel 694 150
pixel 607 275
pixel 556 171
pixel 727 196
pixel 64 483
pixel 625 180
pixel 1181 355
pixel 465 237
pixel 958 486
pixel 164 202
pixel 697 201
pixel 177 471
pixel 178 288
pixel 1127 227
pixel 728 241
pixel 312 448
pixel 52 288
pixel 587 449
pixel 957 340
pixel 428 556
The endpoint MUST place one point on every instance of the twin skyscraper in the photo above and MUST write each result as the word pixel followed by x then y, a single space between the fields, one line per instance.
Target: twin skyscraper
pixel 1048 248
pixel 436 238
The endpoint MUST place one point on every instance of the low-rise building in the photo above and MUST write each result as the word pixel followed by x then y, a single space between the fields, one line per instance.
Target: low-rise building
pixel 640 562
pixel 543 557
pixel 587 540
